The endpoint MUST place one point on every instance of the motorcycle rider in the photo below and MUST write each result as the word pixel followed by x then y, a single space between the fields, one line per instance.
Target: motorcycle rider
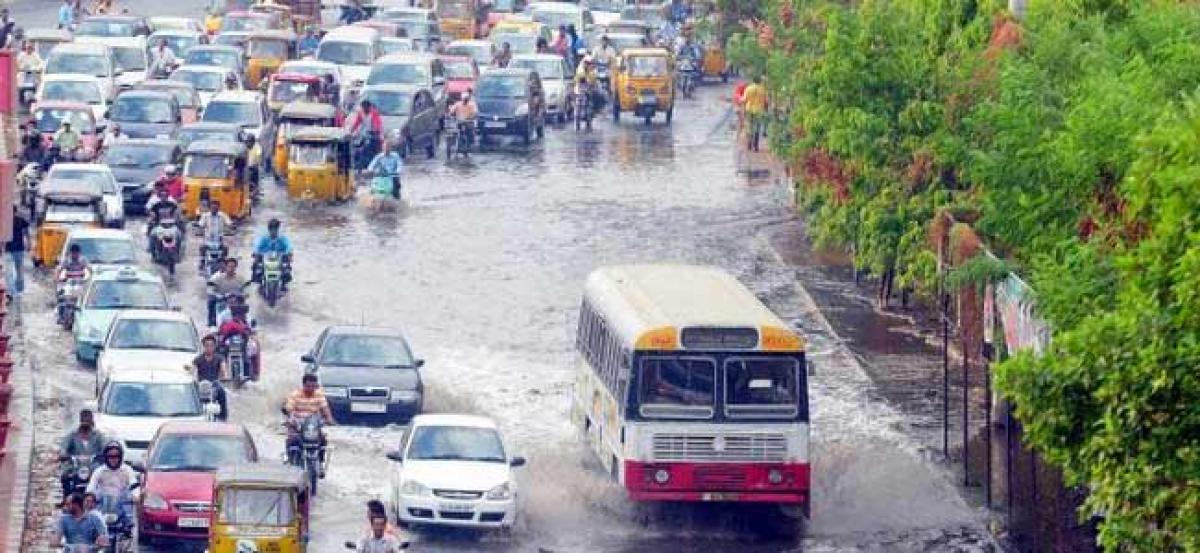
pixel 464 112
pixel 239 324
pixel 587 71
pixel 503 57
pixel 223 285
pixel 113 479
pixel 84 440
pixel 162 60
pixel 273 241
pixel 32 148
pixel 210 366
pixel 388 164
pixel 379 540
pixel 367 128
pixel 111 135
pixel 76 526
pixel 29 60
pixel 213 225
pixel 74 267
pixel 67 140
pixel 160 207
pixel 308 400
pixel 172 181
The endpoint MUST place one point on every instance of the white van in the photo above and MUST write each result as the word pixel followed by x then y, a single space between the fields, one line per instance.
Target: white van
pixel 96 60
pixel 353 49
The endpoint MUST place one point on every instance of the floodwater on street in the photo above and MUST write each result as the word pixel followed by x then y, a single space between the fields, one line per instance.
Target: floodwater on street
pixel 483 267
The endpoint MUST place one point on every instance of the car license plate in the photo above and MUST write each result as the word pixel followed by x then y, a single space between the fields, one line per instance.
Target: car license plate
pixel 193 523
pixel 495 124
pixel 456 507
pixel 365 407
pixel 720 496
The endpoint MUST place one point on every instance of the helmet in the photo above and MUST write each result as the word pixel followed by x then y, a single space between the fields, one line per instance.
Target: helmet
pixel 111 446
pixel 171 170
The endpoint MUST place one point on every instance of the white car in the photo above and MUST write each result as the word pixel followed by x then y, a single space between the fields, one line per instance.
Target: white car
pixel 114 204
pixel 453 470
pixel 353 49
pixel 147 339
pixel 133 403
pixel 103 248
pixel 208 80
pixel 131 56
pixel 556 80
pixel 96 60
pixel 163 23
pixel 74 87
pixel 244 108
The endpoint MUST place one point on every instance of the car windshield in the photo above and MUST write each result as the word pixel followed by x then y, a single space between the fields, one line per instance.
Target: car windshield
pixel 546 69
pixel 390 103
pixel 243 23
pixel 555 18
pixel 106 251
pixel 677 387
pixel 501 87
pixel 479 53
pixel 142 110
pixel 207 81
pixel 399 73
pixel 49 120
pixel 107 29
pixel 153 334
pixel 85 64
pixel 417 29
pixel 187 136
pixel 286 91
pixel 72 91
pixel 647 66
pixel 193 452
pixel 228 60
pixel 365 351
pixel 398 45
pixel 130 58
pixel 99 176
pixel 256 507
pixel 459 70
pixel 136 155
pixel 456 443
pixel 761 387
pixel 260 48
pixel 184 96
pixel 520 44
pixel 117 294
pixel 310 154
pixel 207 166
pixel 149 399
pixel 179 45
pixel 344 53
pixel 241 113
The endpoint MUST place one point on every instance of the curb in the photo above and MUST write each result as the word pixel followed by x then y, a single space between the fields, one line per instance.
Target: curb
pixel 20 449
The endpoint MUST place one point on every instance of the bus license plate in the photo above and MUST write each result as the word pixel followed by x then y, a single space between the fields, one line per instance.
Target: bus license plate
pixel 720 496
pixel 366 407
pixel 193 523
pixel 456 507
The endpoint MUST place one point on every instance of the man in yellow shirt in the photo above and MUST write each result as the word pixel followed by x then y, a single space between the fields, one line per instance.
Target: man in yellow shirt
pixel 755 100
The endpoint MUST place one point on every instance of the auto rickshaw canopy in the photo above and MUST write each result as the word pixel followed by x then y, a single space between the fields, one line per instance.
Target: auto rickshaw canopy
pixel 312 135
pixel 216 147
pixel 287 37
pixel 262 474
pixel 307 110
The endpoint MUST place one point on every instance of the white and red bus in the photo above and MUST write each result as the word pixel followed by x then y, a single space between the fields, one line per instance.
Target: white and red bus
pixel 690 389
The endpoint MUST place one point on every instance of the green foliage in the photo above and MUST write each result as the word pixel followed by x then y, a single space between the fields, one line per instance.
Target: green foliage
pixel 977 272
pixel 1075 141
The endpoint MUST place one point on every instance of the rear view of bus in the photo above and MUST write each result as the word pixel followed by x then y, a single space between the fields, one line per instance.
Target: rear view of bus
pixel 690 389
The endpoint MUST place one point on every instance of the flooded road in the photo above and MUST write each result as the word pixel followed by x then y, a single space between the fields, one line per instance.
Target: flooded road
pixel 482 268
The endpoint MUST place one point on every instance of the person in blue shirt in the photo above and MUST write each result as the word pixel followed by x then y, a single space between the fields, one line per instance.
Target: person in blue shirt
pixel 78 527
pixel 273 241
pixel 66 15
pixel 308 44
pixel 387 165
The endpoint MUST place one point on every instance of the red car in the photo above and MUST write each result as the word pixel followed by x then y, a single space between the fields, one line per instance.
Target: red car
pixel 178 473
pixel 461 74
pixel 49 117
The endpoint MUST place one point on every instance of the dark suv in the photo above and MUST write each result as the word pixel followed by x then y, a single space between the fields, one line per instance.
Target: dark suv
pixel 511 101
pixel 367 373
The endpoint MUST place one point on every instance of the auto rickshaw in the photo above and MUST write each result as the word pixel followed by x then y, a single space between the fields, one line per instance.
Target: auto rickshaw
pixel 45 39
pixel 65 204
pixel 265 52
pixel 294 117
pixel 319 164
pixel 285 88
pixel 217 10
pixel 644 83
pixel 459 19
pixel 216 170
pixel 259 507
pixel 715 64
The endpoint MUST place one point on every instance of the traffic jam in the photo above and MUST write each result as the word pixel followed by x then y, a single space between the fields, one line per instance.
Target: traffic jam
pixel 151 152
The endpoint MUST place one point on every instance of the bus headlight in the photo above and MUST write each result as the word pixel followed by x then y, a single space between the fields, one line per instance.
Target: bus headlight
pixel 662 476
pixel 774 476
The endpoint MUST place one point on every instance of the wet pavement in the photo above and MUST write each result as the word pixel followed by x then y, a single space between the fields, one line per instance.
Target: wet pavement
pixel 482 267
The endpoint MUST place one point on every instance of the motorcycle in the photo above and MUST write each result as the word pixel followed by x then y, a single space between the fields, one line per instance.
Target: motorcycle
pixel 237 349
pixel 305 449
pixel 79 472
pixel 458 140
pixel 689 73
pixel 118 519
pixel 166 239
pixel 27 84
pixel 602 76
pixel 214 254
pixel 583 110
pixel 68 301
pixel 270 287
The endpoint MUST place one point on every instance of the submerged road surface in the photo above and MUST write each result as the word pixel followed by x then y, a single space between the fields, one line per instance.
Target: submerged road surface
pixel 482 267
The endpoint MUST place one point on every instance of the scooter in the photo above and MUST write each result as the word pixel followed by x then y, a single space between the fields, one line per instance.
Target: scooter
pixel 458 139
pixel 166 239
pixel 306 451
pixel 583 110
pixel 214 254
pixel 67 301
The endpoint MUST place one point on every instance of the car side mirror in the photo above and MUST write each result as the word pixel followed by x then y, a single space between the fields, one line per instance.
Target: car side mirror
pixel 419 363
pixel 517 462
pixel 308 358
pixel 395 456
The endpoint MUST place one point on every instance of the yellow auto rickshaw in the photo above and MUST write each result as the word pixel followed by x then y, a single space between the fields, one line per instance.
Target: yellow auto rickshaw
pixel 65 205
pixel 265 52
pixel 715 64
pixel 644 84
pixel 216 170
pixel 458 19
pixel 294 117
pixel 319 164
pixel 259 507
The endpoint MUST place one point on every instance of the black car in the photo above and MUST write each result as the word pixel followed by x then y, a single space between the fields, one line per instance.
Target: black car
pixel 147 114
pixel 511 101
pixel 192 132
pixel 137 163
pixel 367 373
pixel 407 111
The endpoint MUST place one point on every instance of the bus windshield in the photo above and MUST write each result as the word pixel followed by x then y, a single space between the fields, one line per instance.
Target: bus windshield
pixel 677 387
pixel 761 387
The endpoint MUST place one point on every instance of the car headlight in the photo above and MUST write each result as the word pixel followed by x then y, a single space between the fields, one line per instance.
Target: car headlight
pixel 405 396
pixel 336 391
pixel 412 487
pixel 500 493
pixel 154 502
pixel 523 109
